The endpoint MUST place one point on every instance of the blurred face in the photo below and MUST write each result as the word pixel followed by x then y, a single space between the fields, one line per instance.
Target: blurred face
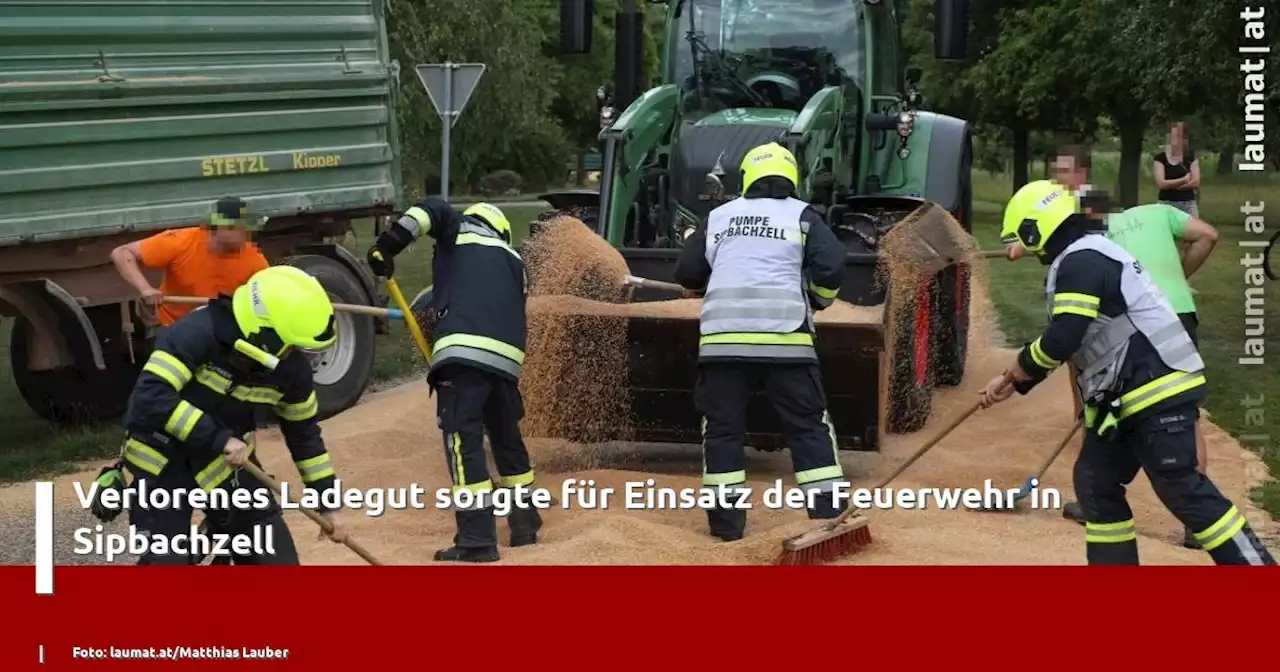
pixel 1068 174
pixel 224 240
pixel 1177 137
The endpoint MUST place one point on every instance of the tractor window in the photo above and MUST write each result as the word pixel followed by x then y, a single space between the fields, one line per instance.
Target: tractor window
pixel 764 53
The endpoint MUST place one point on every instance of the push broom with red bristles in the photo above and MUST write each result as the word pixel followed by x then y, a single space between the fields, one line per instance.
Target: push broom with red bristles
pixel 848 533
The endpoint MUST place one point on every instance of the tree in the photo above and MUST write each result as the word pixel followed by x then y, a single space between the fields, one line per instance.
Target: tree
pixel 999 85
pixel 515 94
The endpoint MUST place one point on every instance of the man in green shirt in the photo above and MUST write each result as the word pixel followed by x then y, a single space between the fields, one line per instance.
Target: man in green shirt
pixel 1171 245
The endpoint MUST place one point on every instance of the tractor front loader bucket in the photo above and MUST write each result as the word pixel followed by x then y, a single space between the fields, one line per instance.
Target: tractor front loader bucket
pixel 663 370
pixel 662 336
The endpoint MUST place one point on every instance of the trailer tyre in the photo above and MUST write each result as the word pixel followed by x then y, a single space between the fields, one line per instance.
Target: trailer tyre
pixel 72 395
pixel 342 372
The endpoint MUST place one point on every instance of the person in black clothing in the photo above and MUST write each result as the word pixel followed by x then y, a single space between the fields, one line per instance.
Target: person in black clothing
pixel 1177 172
pixel 478 307
pixel 767 261
pixel 203 391
pixel 1140 375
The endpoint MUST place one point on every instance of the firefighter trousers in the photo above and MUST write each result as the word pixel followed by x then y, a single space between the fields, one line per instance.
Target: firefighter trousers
pixel 1164 445
pixel 796 393
pixel 470 403
pixel 261 524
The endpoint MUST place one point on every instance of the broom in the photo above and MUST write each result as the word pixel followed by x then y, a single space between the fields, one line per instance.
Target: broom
pixel 842 536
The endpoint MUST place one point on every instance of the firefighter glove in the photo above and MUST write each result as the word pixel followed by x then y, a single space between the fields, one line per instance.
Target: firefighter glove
pixel 110 478
pixel 382 264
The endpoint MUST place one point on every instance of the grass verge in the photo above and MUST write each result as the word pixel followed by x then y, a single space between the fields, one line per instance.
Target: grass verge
pixel 33 447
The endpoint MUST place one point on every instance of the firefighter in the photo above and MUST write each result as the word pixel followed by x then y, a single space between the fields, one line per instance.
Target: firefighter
pixel 208 383
pixel 1155 235
pixel 767 261
pixel 478 322
pixel 199 261
pixel 1141 378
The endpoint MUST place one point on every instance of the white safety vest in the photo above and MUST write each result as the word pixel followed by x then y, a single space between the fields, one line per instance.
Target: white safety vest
pixel 755 305
pixel 1106 343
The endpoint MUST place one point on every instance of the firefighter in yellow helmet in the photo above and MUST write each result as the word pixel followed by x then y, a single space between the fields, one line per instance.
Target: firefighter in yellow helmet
pixel 213 375
pixel 478 324
pixel 1140 376
pixel 767 261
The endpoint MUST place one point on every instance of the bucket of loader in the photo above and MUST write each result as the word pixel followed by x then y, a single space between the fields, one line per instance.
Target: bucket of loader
pixel 662 367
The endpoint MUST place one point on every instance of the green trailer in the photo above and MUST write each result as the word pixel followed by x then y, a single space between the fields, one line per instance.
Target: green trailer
pixel 123 118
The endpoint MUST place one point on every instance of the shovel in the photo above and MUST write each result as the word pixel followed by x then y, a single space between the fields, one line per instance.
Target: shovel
pixel 355 309
pixel 930 239
pixel 636 281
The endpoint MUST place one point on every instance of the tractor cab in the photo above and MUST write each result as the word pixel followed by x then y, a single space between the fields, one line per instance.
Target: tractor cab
pixel 738 55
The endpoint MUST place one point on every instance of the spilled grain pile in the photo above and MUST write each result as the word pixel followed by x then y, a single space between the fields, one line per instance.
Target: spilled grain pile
pixel 574 382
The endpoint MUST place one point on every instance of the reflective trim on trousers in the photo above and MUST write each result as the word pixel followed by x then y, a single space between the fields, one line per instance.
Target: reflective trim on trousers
pixel 1110 533
pixel 1230 528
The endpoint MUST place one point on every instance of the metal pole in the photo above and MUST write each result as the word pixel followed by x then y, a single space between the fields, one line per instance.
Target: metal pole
pixel 447 119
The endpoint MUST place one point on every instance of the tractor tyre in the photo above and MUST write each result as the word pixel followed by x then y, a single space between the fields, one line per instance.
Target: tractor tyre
pixel 342 372
pixel 910 378
pixel 952 297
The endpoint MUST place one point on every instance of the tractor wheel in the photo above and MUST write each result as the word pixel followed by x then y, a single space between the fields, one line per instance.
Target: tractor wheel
pixel 952 298
pixel 910 379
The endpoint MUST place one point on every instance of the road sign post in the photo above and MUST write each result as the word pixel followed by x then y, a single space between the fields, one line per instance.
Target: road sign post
pixel 449 85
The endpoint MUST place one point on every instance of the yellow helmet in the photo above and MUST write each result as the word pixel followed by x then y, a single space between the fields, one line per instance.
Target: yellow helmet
pixel 770 160
pixel 283 307
pixel 1035 212
pixel 491 215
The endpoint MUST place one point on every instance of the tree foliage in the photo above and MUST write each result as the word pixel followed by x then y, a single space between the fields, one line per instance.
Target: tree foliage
pixel 1040 72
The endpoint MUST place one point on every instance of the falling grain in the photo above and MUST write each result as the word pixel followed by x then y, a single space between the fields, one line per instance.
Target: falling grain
pixel 574 383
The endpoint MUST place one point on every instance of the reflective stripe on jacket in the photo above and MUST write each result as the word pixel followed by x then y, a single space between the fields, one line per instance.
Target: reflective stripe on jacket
pixel 756 304
pixel 195 392
pixel 1102 357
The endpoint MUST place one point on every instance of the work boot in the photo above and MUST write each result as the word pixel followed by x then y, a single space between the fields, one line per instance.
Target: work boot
pixel 1073 511
pixel 456 554
pixel 524 523
pixel 824 507
pixel 476 540
pixel 727 524
pixel 1189 539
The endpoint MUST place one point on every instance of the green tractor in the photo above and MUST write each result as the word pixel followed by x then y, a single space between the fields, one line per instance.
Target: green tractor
pixel 824 78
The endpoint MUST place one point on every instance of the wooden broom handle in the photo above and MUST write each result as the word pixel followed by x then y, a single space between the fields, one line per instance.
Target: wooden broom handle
pixel 315 517
pixel 850 510
pixel 352 308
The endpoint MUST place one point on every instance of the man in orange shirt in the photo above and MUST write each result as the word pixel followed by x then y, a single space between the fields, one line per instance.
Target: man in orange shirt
pixel 197 261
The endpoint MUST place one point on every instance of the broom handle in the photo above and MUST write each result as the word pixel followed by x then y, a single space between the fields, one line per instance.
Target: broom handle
pixel 315 517
pixel 1054 455
pixel 849 511
pixel 393 288
pixel 355 309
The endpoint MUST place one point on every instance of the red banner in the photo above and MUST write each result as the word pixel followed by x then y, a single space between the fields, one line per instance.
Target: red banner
pixel 421 618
